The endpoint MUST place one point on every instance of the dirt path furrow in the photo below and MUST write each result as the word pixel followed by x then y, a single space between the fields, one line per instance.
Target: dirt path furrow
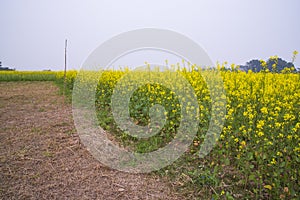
pixel 41 156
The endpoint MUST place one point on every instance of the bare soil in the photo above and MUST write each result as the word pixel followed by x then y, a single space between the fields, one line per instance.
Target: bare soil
pixel 41 156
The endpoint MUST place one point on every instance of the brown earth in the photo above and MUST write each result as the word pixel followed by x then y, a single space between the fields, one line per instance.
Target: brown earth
pixel 41 156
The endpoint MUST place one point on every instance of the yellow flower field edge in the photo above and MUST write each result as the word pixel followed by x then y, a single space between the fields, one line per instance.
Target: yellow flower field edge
pixel 257 155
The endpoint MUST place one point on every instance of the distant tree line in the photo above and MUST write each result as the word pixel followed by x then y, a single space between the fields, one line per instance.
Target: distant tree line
pixel 273 64
pixel 5 68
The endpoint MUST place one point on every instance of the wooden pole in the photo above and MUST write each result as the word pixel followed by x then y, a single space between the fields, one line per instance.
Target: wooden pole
pixel 65 71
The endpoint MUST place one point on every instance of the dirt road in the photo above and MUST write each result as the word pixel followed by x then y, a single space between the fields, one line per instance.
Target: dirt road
pixel 41 156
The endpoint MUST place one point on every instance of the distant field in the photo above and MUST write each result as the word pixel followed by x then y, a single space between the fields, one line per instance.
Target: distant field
pixel 27 76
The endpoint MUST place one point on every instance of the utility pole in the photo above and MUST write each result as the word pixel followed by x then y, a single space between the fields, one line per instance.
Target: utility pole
pixel 65 71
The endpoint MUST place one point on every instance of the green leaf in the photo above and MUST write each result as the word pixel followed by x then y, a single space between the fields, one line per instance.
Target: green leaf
pixel 228 196
pixel 252 177
pixel 282 164
pixel 264 156
pixel 227 161
pixel 250 155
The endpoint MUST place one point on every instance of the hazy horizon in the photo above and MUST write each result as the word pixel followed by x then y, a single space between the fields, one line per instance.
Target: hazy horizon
pixel 33 32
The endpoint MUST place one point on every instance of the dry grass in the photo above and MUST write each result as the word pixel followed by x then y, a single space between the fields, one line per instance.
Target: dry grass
pixel 41 156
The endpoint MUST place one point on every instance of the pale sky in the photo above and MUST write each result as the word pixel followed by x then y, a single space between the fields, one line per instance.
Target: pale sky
pixel 33 31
